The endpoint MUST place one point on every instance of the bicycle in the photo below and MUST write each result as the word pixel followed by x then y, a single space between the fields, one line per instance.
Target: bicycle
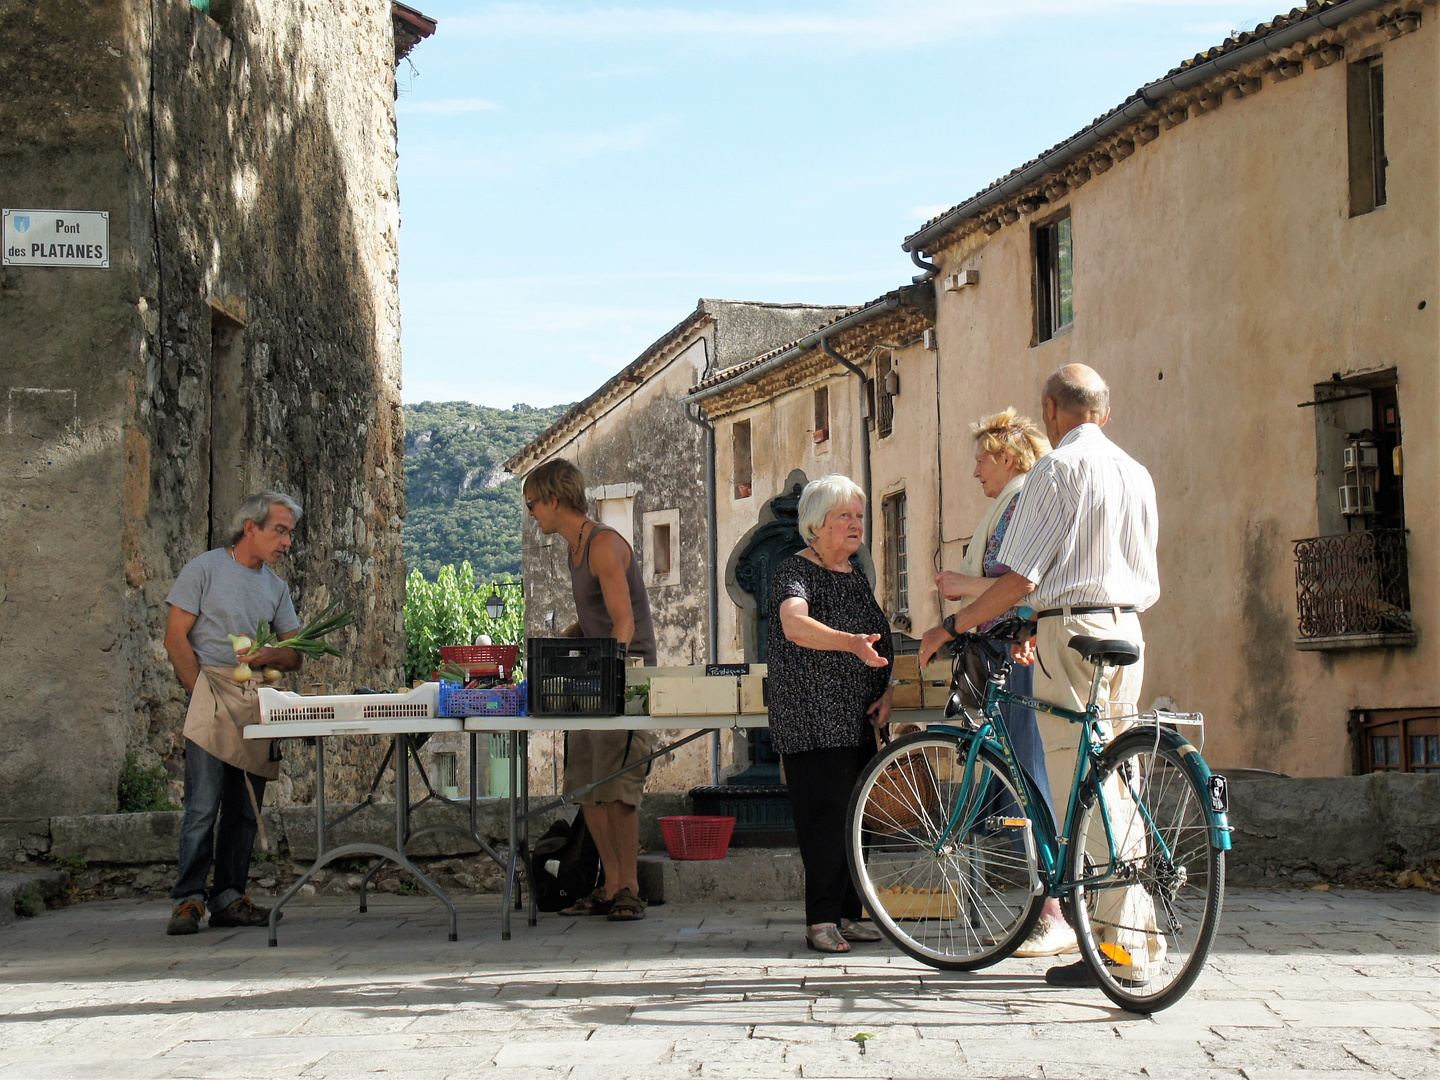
pixel 953 850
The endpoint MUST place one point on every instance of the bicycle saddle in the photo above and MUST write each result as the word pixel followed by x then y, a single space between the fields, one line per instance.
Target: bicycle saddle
pixel 1109 651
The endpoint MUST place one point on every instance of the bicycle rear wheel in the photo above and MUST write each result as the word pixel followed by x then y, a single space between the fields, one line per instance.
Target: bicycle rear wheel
pixel 1146 923
pixel 962 905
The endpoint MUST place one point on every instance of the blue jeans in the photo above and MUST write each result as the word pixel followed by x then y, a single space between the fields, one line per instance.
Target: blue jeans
pixel 1025 733
pixel 215 790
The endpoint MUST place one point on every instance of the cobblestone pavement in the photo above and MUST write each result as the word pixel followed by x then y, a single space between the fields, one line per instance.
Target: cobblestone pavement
pixel 1304 984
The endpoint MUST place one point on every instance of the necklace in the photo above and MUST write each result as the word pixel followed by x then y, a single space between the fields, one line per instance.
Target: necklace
pixel 821 560
pixel 579 539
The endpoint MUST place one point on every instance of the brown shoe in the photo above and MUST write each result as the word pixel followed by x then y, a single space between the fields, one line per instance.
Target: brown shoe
pixel 242 912
pixel 626 907
pixel 593 904
pixel 185 919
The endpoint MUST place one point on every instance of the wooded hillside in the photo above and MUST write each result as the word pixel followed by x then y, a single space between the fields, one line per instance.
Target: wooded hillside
pixel 461 504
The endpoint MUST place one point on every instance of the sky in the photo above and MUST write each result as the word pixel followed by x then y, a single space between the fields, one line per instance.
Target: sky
pixel 573 177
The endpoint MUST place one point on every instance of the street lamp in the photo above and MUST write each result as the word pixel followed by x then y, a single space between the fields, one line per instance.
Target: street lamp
pixel 495 604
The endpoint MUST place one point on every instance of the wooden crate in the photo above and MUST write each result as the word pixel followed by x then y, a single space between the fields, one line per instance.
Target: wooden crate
pixel 907 695
pixel 752 691
pixel 705 695
pixel 935 685
pixel 638 674
pixel 904 902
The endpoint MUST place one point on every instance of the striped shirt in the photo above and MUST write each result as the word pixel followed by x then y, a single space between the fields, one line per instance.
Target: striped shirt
pixel 1085 526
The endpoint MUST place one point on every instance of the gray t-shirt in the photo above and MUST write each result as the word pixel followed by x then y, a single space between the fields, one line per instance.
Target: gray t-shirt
pixel 228 598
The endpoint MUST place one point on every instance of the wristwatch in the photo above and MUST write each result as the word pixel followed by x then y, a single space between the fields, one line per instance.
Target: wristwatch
pixel 949 624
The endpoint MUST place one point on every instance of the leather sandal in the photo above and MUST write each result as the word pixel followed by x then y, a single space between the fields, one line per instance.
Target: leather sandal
pixel 825 937
pixel 594 904
pixel 626 906
pixel 855 930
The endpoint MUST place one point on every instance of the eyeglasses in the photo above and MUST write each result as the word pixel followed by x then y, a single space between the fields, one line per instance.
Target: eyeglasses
pixel 281 530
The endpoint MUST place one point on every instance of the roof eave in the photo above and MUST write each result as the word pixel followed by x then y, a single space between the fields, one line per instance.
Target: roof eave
pixel 1145 99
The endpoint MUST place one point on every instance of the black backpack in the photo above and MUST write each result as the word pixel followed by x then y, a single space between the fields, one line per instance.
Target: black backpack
pixel 572 846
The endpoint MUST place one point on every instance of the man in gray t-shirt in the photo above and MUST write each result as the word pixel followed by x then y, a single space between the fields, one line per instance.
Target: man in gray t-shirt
pixel 229 590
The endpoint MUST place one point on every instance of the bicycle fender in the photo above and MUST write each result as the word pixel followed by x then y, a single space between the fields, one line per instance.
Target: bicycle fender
pixel 1195 763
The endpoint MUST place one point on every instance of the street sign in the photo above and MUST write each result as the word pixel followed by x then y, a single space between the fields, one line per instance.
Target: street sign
pixel 57 238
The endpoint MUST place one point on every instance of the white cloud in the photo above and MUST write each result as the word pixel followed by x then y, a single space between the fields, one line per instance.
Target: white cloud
pixel 445 106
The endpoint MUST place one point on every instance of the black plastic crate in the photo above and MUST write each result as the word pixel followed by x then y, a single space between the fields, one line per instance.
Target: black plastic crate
pixel 575 676
pixel 761 812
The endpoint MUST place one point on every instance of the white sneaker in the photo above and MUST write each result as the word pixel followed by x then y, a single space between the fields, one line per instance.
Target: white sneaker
pixel 1048 939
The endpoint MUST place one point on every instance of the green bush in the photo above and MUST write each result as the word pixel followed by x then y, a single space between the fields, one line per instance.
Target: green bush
pixel 451 611
pixel 143 790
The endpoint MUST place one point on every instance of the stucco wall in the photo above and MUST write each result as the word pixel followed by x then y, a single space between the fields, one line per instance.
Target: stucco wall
pixel 781 442
pixel 275 198
pixel 907 461
pixel 1218 277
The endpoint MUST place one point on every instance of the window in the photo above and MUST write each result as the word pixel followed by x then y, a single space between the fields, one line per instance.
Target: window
pixel 822 414
pixel 1352 580
pixel 740 458
pixel 887 384
pixel 1398 740
pixel 445 774
pixel 619 514
pixel 229 423
pixel 897 554
pixel 1365 101
pixel 1054 278
pixel 661 557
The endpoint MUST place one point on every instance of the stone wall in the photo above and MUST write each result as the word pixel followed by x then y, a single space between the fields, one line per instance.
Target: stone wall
pixel 246 335
pixel 1370 830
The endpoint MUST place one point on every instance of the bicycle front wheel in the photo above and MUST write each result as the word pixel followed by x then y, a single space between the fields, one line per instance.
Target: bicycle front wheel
pixel 962 904
pixel 1152 880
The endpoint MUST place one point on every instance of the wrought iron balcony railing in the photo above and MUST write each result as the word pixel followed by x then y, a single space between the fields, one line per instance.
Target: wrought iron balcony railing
pixel 1353 584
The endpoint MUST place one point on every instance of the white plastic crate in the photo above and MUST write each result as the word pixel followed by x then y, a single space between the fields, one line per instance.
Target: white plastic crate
pixel 283 707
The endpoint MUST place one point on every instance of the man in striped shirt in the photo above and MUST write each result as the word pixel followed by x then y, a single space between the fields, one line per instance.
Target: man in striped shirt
pixel 1080 551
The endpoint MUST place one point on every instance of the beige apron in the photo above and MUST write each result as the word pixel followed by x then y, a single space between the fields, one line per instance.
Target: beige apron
pixel 220 710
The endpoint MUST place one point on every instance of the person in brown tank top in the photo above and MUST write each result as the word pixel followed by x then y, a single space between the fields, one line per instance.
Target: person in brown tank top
pixel 610 601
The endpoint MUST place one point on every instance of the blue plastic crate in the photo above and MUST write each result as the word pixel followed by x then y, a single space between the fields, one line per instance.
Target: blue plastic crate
pixel 499 701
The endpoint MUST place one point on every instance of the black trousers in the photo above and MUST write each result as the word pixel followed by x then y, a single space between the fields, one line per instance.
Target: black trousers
pixel 820 782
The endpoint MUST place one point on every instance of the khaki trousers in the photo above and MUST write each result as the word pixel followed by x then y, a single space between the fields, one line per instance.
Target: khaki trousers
pixel 1124 919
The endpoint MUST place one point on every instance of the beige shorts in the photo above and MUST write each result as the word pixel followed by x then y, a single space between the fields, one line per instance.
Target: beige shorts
pixel 589 755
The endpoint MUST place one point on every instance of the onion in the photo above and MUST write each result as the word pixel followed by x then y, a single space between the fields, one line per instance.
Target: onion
pixel 242 673
pixel 242 644
pixel 272 675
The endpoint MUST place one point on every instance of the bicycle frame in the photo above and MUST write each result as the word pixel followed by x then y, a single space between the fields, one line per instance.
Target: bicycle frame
pixel 1050 845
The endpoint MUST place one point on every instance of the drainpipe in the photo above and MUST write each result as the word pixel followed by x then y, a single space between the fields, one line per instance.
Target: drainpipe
pixel 929 268
pixel 712 583
pixel 864 432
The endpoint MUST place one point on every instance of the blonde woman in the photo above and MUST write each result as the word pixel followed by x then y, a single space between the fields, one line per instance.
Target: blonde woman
pixel 1007 446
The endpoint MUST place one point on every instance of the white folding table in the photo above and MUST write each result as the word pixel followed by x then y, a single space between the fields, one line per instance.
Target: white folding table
pixel 401 732
pixel 521 813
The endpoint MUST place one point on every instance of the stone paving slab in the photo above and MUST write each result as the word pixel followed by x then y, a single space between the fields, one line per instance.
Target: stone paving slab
pixel 1304 984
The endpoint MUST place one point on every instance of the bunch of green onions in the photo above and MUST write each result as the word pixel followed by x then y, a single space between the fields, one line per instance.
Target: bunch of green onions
pixel 306 640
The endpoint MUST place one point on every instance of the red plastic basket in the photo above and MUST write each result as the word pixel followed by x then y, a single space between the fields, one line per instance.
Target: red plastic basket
pixel 474 656
pixel 697 837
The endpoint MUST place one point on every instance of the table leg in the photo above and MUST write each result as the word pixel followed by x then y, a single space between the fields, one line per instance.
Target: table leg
pixel 319 841
pixel 524 766
pixel 402 831
pixel 512 839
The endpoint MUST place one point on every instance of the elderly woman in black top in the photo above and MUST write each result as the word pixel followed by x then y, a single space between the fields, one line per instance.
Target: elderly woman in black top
pixel 829 682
